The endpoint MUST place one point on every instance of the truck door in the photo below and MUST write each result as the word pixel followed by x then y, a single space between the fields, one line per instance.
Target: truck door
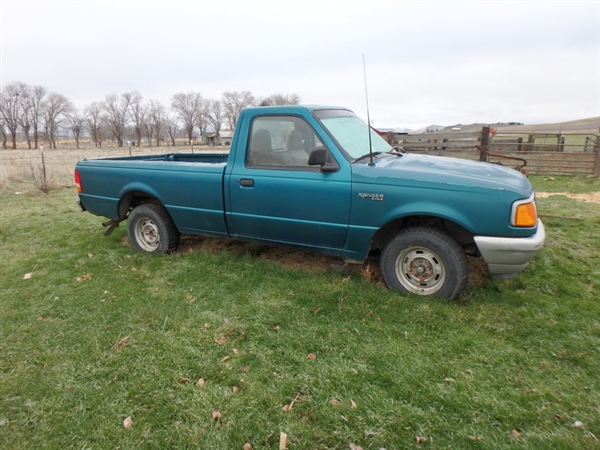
pixel 276 196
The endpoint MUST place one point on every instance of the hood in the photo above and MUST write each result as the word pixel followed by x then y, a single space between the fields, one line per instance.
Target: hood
pixel 452 173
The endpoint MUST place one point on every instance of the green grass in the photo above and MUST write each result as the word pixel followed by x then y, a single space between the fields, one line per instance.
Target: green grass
pixel 100 333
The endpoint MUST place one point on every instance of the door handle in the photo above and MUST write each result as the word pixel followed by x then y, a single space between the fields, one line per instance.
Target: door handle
pixel 247 182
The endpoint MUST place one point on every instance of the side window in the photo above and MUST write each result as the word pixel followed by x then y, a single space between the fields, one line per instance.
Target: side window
pixel 281 142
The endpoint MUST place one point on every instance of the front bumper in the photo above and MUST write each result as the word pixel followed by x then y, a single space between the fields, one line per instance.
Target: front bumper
pixel 506 257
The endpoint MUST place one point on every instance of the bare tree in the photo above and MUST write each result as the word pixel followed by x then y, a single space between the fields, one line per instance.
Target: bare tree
pixel 55 109
pixel 24 116
pixel 3 133
pixel 280 99
pixel 137 114
pixel 76 124
pixel 172 128
pixel 36 99
pixel 9 110
pixel 215 117
pixel 233 103
pixel 188 108
pixel 156 121
pixel 202 118
pixel 92 114
pixel 114 116
pixel 30 111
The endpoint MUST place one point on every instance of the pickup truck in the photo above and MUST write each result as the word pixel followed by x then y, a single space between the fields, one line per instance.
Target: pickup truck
pixel 318 178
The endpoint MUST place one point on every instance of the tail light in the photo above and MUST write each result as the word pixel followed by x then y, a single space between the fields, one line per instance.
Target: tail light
pixel 78 181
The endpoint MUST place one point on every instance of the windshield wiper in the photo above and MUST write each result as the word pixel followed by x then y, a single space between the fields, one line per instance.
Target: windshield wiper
pixel 367 155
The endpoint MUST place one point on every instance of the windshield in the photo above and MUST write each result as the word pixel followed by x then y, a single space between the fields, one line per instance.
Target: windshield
pixel 350 132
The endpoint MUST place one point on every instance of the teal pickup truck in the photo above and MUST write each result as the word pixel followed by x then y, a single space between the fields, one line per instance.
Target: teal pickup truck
pixel 318 178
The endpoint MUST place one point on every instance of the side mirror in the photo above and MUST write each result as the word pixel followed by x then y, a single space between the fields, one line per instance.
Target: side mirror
pixel 318 157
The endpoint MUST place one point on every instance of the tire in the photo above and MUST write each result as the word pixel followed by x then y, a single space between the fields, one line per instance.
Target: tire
pixel 150 229
pixel 426 262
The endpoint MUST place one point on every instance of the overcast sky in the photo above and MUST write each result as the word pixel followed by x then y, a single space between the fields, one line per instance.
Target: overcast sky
pixel 426 62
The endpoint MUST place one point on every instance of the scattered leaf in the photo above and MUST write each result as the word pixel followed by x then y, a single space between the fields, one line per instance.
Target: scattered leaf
pixel 288 408
pixel 311 356
pixel 591 435
pixel 27 276
pixel 121 343
pixel 449 380
pixel 235 351
pixel 355 447
pixel 90 255
pixel 236 389
pixel 247 446
pixel 543 366
pixel 246 369
pixel 515 433
pixel 557 417
pixel 221 340
pixel 421 440
pixel 335 402
pixel 84 277
pixel 282 441
pixel 42 318
pixel 201 382
pixel 216 415
pixel 353 404
pixel 185 380
pixel 226 358
pixel 475 438
pixel 128 423
pixel 470 372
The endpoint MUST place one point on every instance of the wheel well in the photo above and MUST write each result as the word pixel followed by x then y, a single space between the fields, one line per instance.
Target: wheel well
pixel 132 199
pixel 389 230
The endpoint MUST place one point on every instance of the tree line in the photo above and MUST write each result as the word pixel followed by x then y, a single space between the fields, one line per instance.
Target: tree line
pixel 39 115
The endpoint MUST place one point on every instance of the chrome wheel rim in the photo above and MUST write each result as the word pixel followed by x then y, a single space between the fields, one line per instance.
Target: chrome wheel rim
pixel 420 270
pixel 147 235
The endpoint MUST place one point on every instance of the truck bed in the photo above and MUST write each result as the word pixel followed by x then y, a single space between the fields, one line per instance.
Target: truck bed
pixel 210 158
pixel 190 185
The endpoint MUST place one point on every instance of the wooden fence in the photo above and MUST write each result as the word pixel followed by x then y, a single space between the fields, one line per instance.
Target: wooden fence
pixel 555 154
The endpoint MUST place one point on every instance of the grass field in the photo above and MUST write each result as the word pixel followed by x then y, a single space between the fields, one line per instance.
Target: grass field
pixel 224 345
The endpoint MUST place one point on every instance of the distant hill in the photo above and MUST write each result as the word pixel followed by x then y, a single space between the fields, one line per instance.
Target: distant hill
pixel 428 129
pixel 583 126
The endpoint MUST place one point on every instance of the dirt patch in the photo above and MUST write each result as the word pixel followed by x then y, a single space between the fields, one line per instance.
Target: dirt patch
pixel 592 197
pixel 304 260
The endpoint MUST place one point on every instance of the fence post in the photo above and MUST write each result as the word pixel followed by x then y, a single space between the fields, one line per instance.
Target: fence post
pixel 597 160
pixel 484 142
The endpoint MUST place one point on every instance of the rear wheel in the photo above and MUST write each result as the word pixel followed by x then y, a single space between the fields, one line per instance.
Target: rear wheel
pixel 425 261
pixel 151 229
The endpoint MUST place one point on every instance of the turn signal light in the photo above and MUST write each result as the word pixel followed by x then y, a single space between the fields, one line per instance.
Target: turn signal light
pixel 524 214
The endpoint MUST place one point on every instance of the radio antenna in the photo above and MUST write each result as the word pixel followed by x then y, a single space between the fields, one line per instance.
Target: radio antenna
pixel 368 116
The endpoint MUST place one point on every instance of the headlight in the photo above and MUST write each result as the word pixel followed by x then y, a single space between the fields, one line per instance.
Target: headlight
pixel 524 213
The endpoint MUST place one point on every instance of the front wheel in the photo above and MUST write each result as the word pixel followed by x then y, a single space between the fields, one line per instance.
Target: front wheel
pixel 425 261
pixel 151 229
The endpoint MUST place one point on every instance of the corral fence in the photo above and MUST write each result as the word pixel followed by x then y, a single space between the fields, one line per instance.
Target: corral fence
pixel 543 153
